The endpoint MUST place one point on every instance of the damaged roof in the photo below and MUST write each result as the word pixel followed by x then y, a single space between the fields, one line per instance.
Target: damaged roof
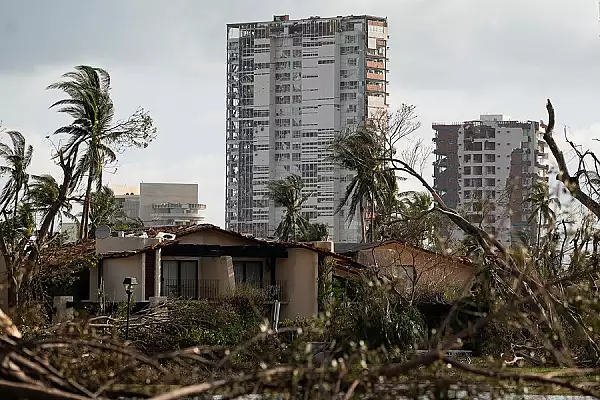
pixel 69 253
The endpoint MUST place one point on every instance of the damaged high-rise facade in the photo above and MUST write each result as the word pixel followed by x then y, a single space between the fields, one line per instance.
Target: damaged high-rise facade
pixel 292 86
pixel 487 169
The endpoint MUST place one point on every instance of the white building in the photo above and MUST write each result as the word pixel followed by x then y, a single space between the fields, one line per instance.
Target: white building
pixel 163 204
pixel 292 86
pixel 487 169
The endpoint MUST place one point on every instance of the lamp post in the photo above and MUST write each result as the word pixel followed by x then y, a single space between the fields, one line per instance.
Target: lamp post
pixel 128 283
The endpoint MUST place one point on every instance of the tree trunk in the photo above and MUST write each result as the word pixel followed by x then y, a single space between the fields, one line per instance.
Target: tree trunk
pixel 83 234
pixel 372 222
pixel 363 222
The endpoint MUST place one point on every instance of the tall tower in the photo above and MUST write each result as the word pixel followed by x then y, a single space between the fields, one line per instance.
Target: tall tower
pixel 487 169
pixel 292 86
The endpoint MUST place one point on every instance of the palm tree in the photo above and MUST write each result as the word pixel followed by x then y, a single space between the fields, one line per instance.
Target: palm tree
pixel 542 210
pixel 287 193
pixel 364 153
pixel 92 110
pixel 16 161
pixel 44 193
pixel 104 209
pixel 316 232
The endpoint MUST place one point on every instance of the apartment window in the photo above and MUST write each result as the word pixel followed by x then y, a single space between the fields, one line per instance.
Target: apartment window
pixel 248 272
pixel 473 146
pixel 352 108
pixel 467 158
pixel 478 182
pixel 490 157
pixel 297 98
pixel 179 279
pixel 297 52
pixel 282 100
pixel 477 195
pixel 282 88
pixel 297 64
pixel 261 113
pixel 296 156
pixel 326 62
pixel 478 158
pixel 467 194
pixel 282 76
pixel 467 183
pixel 347 96
pixel 344 73
pixel 490 170
pixel 351 39
pixel 467 170
pixel 490 182
pixel 489 146
pixel 490 194
pixel 282 122
pixel 478 170
pixel 352 61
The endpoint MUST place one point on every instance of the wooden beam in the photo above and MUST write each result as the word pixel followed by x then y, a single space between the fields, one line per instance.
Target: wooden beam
pixel 206 250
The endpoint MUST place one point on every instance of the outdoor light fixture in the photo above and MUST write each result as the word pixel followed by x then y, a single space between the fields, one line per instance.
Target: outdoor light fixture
pixel 128 284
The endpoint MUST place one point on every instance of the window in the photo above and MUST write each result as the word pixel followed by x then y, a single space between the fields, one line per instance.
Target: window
pixel 350 39
pixel 490 170
pixel 478 170
pixel 352 61
pixel 179 279
pixel 326 62
pixel 489 146
pixel 297 52
pixel 248 272
pixel 467 194
pixel 477 158
pixel 490 157
pixel 467 158
pixel 490 182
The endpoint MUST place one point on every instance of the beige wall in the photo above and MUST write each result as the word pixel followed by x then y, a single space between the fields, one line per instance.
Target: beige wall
pixel 432 272
pixel 300 270
pixel 120 244
pixel 117 269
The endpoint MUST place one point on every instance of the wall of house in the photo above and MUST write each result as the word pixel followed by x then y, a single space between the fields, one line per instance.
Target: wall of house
pixel 428 272
pixel 117 269
pixel 121 244
pixel 300 270
pixel 221 269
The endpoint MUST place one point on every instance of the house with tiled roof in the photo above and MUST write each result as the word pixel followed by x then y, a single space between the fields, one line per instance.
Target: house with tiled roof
pixel 202 262
pixel 426 273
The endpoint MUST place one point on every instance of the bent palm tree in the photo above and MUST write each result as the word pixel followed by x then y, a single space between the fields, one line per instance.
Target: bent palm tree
pixel 44 194
pixel 16 161
pixel 92 110
pixel 287 193
pixel 364 153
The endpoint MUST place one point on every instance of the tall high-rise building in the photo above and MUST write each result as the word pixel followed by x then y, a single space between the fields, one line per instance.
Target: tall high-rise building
pixel 292 86
pixel 487 169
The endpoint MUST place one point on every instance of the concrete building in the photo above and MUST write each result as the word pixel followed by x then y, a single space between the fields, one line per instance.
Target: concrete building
pixel 487 169
pixel 164 204
pixel 129 203
pixel 292 86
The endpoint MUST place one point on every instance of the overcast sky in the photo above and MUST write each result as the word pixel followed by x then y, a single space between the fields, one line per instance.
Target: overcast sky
pixel 453 59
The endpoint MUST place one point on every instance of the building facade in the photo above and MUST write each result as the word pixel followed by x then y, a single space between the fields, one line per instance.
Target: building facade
pixel 164 204
pixel 487 169
pixel 292 86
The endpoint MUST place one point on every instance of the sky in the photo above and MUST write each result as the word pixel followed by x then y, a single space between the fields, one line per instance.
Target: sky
pixel 452 59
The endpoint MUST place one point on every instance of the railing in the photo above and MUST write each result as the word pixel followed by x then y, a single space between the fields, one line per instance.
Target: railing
pixel 180 288
pixel 209 289
pixel 272 292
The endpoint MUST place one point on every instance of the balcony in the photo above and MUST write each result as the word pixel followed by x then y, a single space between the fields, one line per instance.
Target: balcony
pixel 376 64
pixel 375 88
pixel 375 76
